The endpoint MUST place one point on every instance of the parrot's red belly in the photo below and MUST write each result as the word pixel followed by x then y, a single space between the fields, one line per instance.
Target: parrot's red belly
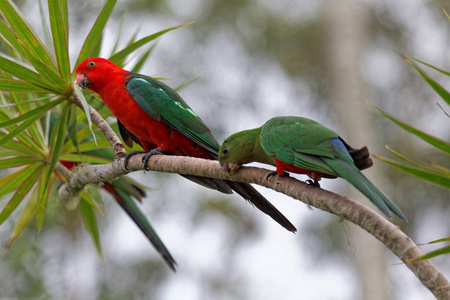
pixel 150 132
pixel 282 167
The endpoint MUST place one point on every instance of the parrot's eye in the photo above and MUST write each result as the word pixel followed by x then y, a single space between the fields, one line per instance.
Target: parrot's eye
pixel 91 64
pixel 224 150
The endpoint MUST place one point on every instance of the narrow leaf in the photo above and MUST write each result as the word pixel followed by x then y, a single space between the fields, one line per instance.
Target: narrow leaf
pixel 88 146
pixel 87 195
pixel 95 34
pixel 12 85
pixel 434 84
pixel 65 15
pixel 60 38
pixel 137 67
pixel 19 129
pixel 422 173
pixel 45 28
pixel 9 35
pixel 56 143
pixel 25 217
pixel 438 143
pixel 131 48
pixel 440 168
pixel 431 66
pixel 9 153
pixel 24 73
pixel 403 158
pixel 440 240
pixel 84 158
pixel 85 105
pixel 50 74
pixel 40 111
pixel 441 251
pixel 18 161
pixel 91 224
pixel 18 196
pixel 73 128
pixel 187 83
pixel 24 32
pixel 18 146
pixel 43 194
pixel 11 181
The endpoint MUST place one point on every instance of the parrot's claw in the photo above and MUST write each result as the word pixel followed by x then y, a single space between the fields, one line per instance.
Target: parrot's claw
pixel 146 157
pixel 274 173
pixel 313 183
pixel 128 156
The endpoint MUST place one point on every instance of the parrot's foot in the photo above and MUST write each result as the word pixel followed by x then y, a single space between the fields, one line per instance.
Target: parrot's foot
pixel 313 183
pixel 130 154
pixel 274 173
pixel 146 157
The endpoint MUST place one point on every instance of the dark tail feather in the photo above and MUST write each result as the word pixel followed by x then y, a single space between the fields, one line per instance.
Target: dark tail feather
pixel 141 221
pixel 211 183
pixel 248 192
pixel 361 157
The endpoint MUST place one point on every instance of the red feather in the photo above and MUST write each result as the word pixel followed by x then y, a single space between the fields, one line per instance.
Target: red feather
pixel 282 167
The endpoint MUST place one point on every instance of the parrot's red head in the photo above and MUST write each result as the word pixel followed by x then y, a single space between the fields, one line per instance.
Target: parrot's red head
pixel 95 73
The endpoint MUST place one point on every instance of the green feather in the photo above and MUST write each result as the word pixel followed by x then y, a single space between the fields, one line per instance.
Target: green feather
pixel 300 142
pixel 163 104
pixel 139 218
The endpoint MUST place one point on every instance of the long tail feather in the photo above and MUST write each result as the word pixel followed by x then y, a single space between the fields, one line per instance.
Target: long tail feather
pixel 363 184
pixel 247 192
pixel 141 221
pixel 250 194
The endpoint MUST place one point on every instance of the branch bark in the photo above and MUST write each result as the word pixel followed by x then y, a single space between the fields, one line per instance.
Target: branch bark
pixel 375 224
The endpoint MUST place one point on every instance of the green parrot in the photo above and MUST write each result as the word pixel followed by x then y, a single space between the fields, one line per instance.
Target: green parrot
pixel 303 146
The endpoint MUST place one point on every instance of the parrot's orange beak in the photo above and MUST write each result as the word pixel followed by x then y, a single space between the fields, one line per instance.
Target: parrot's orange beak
pixel 82 80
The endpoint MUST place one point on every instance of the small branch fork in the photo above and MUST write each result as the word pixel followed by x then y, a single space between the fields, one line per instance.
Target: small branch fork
pixel 366 218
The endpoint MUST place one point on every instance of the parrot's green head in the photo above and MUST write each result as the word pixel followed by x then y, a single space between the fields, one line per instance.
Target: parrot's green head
pixel 238 149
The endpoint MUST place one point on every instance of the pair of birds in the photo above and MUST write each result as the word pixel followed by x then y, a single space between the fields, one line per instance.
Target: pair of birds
pixel 154 116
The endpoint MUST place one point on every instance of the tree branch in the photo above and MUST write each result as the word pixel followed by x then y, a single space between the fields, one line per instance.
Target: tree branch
pixel 375 224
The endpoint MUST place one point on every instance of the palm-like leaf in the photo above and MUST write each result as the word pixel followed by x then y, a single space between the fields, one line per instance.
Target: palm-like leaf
pixel 437 174
pixel 37 79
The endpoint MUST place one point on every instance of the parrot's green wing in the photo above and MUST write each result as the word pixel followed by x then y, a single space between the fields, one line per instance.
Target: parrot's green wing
pixel 300 142
pixel 163 103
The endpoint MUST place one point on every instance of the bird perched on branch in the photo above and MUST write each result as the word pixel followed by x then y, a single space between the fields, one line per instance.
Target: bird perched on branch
pixel 303 146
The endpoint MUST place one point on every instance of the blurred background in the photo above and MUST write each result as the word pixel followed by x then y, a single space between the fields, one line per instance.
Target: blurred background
pixel 257 59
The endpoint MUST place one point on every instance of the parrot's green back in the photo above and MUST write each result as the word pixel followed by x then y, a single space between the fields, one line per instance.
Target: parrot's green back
pixel 163 104
pixel 300 142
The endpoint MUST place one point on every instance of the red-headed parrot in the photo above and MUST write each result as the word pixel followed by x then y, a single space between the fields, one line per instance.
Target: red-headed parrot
pixel 303 146
pixel 154 116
